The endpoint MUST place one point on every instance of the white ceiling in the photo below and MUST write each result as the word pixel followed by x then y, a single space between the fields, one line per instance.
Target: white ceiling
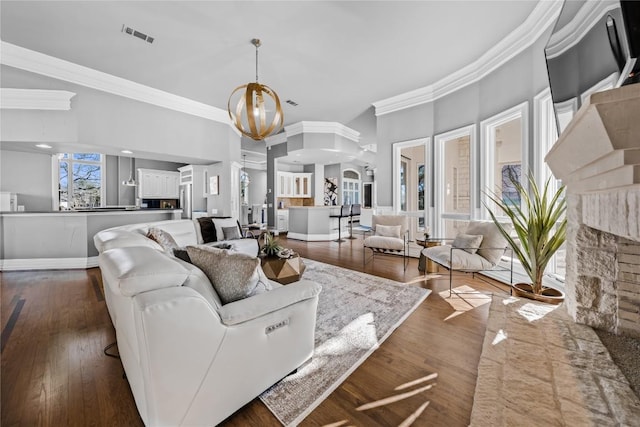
pixel 334 58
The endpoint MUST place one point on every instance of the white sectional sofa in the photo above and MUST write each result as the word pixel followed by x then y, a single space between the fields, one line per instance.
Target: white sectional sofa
pixel 189 359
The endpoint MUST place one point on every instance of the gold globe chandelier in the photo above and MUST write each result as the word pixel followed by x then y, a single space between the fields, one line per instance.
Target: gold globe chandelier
pixel 250 113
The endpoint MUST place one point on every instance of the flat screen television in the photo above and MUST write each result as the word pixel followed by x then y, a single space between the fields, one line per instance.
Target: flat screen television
pixel 594 46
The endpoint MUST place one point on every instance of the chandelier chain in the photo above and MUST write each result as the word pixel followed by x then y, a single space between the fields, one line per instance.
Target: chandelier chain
pixel 257 63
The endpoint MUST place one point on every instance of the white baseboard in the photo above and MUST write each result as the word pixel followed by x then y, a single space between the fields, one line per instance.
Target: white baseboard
pixel 316 237
pixel 48 263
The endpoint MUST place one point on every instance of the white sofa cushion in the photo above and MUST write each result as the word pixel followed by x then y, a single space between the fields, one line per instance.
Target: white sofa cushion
pixel 268 302
pixel 458 259
pixel 387 243
pixel 234 275
pixel 245 246
pixel 183 232
pixel 140 269
pixel 116 238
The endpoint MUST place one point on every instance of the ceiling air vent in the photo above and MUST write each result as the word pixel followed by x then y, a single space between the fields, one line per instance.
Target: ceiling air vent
pixel 138 34
pixel 290 102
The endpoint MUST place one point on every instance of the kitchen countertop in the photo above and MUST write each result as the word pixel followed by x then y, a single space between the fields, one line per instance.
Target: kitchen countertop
pixel 94 210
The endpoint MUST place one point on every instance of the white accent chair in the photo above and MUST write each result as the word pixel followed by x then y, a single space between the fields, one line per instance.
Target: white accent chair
pixel 460 256
pixel 391 236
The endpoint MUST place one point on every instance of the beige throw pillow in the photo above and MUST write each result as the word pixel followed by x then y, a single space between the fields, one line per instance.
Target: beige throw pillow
pixel 388 230
pixel 163 238
pixel 467 242
pixel 493 244
pixel 234 275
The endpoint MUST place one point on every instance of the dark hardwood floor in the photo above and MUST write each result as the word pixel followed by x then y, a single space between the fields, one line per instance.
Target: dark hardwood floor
pixel 55 325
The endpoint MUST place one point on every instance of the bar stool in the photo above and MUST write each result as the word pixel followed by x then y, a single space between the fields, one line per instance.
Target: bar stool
pixel 344 212
pixel 354 211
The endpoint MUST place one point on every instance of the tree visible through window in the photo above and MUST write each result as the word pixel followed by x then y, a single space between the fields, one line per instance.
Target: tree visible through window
pixel 79 180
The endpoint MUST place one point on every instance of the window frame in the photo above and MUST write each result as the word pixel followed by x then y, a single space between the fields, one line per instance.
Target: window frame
pixel 439 180
pixel 59 159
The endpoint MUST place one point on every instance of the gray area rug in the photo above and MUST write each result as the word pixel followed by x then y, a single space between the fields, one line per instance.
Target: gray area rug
pixel 356 312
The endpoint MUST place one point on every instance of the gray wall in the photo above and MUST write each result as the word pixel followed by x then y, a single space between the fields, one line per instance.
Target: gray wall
pixel 257 186
pixel 118 169
pixel 103 120
pixel 28 175
pixel 517 81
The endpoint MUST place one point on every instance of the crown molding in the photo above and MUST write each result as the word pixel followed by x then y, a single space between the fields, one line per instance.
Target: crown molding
pixel 575 30
pixel 39 63
pixel 542 16
pixel 35 99
pixel 322 127
pixel 279 138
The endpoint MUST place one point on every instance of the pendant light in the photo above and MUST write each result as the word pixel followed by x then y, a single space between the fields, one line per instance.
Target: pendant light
pixel 245 179
pixel 130 182
pixel 250 113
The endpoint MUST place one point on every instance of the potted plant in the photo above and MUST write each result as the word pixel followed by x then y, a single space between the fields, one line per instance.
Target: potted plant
pixel 270 246
pixel 540 225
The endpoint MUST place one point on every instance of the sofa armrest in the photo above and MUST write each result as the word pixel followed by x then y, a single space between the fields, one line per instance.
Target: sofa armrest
pixel 268 302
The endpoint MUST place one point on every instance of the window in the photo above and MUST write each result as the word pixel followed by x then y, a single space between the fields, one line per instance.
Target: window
pixel 350 188
pixel 80 180
pixel 546 135
pixel 454 186
pixel 421 194
pixel 403 184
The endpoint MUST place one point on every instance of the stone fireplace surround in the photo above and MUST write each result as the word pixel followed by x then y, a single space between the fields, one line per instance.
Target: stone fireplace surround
pixel 603 266
pixel 598 158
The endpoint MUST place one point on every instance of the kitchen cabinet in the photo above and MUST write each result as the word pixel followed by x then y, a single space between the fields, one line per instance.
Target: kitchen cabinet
pixel 158 184
pixel 294 184
pixel 282 220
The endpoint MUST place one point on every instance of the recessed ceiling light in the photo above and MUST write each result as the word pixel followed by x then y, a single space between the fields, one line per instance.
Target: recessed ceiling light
pixel 43 146
pixel 126 152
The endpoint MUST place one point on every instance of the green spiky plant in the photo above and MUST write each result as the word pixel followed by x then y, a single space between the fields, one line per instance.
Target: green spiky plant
pixel 270 246
pixel 539 223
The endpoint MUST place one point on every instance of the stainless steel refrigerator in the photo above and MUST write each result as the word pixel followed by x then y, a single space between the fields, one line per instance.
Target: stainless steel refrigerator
pixel 186 200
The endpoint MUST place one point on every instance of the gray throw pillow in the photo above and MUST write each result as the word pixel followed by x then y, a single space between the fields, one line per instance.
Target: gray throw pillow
pixel 231 233
pixel 163 238
pixel 234 275
pixel 468 242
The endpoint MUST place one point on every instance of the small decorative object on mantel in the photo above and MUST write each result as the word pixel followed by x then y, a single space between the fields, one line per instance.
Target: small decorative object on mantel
pixel 540 225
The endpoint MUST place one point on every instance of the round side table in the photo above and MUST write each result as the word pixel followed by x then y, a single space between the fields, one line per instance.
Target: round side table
pixel 423 262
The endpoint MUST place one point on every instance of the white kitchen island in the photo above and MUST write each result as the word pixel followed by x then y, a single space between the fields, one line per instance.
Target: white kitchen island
pixel 314 223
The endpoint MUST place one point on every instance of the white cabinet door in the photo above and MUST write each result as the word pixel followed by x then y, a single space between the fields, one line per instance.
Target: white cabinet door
pixel 173 186
pixel 156 184
pixel 283 221
pixel 294 184
pixel 285 184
